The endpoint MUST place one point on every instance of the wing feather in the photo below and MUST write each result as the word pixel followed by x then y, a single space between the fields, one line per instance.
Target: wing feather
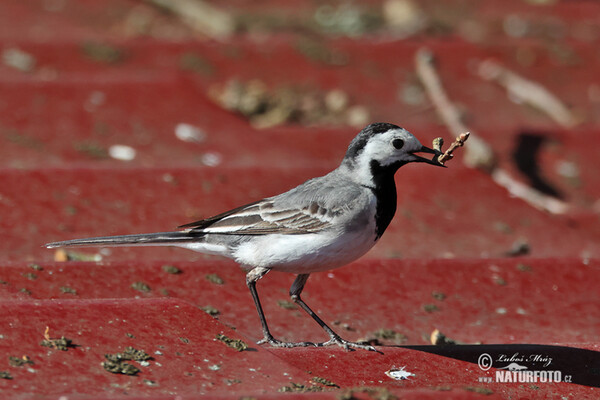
pixel 263 217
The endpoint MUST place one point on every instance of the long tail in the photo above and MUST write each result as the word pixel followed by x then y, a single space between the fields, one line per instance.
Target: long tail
pixel 150 239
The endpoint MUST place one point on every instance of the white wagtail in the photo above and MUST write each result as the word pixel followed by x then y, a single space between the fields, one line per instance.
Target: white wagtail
pixel 322 224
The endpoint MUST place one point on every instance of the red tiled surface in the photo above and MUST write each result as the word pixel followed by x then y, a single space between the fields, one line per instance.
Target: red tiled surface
pixel 451 234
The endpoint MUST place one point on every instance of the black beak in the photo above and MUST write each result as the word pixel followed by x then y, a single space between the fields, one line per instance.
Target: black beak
pixel 433 161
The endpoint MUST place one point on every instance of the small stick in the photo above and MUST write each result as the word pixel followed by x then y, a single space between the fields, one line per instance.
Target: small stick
pixel 201 16
pixel 458 142
pixel 529 92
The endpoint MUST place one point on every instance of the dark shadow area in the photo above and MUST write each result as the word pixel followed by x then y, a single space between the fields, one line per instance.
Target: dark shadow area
pixel 583 366
pixel 526 157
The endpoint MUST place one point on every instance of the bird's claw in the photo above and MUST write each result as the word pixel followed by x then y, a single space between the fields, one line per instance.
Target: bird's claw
pixel 351 346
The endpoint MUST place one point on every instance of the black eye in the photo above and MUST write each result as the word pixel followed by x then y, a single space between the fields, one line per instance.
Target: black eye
pixel 398 143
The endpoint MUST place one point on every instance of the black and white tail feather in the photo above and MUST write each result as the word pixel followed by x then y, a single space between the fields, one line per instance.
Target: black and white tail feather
pixel 322 224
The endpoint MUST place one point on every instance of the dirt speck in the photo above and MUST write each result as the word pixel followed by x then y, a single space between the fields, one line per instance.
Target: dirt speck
pixel 430 308
pixel 286 304
pixel 210 310
pixel 299 388
pixel 120 367
pixel 68 290
pixel 524 267
pixel 115 363
pixel 324 382
pixel 389 334
pixel 438 295
pixel 237 344
pixel 171 269
pixel 62 343
pixel 5 375
pixel 19 361
pixel 216 279
pixel 141 287
pixel 439 339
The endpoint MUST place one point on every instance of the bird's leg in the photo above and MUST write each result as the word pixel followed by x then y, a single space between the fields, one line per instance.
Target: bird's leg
pixel 295 291
pixel 251 278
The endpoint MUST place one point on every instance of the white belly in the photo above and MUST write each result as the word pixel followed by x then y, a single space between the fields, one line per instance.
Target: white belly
pixel 305 253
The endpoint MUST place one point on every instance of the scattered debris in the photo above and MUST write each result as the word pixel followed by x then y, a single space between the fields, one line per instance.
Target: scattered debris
pixel 524 267
pixel 92 150
pixel 237 344
pixel 115 363
pixel 68 290
pixel 36 267
pixel 522 90
pixel 18 59
pixel 324 382
pixel 519 248
pixel 171 269
pixel 287 305
pixel 141 287
pixel 399 374
pixel 210 310
pixel 62 255
pixel 120 367
pixel 5 375
pixel 389 335
pixel 437 338
pixel 150 382
pixel 130 353
pixel 189 133
pixel 30 275
pixel 266 107
pixel 438 295
pixel 19 361
pixel 299 388
pixel 430 308
pixel 498 280
pixel 60 344
pixel 122 152
pixel 216 279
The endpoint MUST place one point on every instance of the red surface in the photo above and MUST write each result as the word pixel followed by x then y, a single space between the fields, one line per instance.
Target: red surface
pixel 451 233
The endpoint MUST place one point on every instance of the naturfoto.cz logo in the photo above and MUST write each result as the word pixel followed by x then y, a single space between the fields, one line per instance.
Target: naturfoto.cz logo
pixel 511 368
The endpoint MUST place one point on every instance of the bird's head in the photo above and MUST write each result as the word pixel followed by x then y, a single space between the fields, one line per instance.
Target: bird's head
pixel 383 147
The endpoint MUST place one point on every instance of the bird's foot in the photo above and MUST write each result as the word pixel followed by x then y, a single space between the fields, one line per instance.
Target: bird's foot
pixel 348 345
pixel 278 343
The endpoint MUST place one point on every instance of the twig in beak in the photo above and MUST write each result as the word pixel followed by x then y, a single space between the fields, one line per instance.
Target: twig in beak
pixel 458 142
